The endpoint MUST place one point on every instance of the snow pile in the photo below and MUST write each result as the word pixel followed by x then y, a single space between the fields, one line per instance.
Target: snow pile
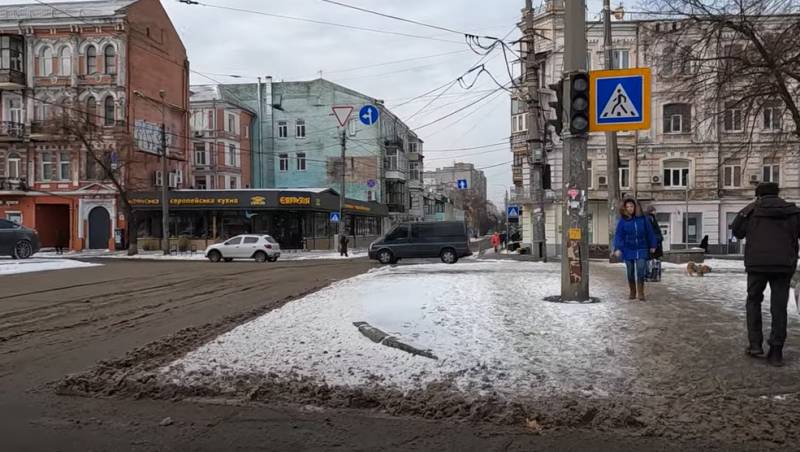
pixel 10 267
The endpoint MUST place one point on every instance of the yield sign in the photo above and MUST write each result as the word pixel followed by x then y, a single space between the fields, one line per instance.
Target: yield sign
pixel 342 113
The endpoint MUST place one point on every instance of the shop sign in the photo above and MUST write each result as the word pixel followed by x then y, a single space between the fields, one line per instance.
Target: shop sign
pixel 357 208
pixel 295 200
pixel 9 203
pixel 258 201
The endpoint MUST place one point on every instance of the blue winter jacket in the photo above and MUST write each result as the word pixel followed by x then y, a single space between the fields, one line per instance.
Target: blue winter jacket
pixel 635 238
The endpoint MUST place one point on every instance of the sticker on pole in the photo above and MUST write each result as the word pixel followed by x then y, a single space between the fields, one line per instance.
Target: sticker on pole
pixel 342 113
pixel 620 100
pixel 512 212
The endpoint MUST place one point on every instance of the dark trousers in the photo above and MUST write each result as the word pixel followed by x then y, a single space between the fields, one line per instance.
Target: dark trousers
pixel 779 298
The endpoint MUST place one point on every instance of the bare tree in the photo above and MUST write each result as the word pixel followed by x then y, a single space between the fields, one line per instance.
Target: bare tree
pixel 740 57
pixel 109 155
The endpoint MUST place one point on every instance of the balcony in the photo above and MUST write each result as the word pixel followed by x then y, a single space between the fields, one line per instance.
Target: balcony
pixel 516 173
pixel 12 62
pixel 11 131
pixel 394 174
pixel 11 79
pixel 9 184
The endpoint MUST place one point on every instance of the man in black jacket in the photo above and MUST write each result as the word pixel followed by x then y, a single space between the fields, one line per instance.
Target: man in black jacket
pixel 772 229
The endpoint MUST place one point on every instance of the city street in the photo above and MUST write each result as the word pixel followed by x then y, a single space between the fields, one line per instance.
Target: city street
pixel 527 375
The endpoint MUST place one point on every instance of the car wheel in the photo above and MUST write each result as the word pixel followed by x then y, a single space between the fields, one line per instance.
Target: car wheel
pixel 385 257
pixel 23 249
pixel 228 259
pixel 260 256
pixel 449 256
pixel 214 256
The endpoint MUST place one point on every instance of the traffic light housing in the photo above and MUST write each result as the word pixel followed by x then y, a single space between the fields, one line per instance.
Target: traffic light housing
pixel 558 106
pixel 579 103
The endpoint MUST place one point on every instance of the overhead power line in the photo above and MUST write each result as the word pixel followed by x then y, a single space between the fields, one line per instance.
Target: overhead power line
pixel 318 22
pixel 442 118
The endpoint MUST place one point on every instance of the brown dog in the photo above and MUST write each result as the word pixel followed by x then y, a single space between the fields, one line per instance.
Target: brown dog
pixel 693 269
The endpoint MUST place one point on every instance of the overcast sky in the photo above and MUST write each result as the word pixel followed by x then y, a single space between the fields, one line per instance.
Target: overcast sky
pixel 247 44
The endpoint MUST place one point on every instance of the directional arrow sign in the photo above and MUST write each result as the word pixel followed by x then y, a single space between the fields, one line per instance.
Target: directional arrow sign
pixel 462 184
pixel 368 115
pixel 342 113
pixel 620 100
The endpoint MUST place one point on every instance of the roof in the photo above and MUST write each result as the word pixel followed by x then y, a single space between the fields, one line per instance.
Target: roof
pixel 67 10
pixel 213 93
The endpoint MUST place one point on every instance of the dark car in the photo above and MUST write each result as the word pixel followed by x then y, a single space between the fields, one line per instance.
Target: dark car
pixel 17 241
pixel 447 240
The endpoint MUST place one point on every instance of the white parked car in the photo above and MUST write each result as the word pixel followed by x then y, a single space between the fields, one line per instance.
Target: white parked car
pixel 262 248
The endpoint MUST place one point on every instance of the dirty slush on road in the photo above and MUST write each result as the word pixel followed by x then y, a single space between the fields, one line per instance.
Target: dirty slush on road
pixel 699 406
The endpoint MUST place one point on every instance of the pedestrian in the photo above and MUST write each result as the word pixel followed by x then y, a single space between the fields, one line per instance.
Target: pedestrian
pixel 503 239
pixel 496 242
pixel 634 242
pixel 343 241
pixel 771 227
pixel 654 264
pixel 61 241
pixel 704 244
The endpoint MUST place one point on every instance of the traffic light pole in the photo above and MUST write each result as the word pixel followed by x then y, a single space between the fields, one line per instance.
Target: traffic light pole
pixel 575 244
pixel 534 138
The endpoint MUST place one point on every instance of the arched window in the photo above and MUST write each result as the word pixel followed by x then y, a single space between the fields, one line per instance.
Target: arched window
pixel 91 110
pixel 91 60
pixel 65 60
pixel 108 111
pixel 110 59
pixel 46 62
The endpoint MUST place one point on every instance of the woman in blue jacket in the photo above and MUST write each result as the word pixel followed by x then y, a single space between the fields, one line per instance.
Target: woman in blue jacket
pixel 633 243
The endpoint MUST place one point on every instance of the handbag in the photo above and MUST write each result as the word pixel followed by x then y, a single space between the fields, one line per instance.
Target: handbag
pixel 653 270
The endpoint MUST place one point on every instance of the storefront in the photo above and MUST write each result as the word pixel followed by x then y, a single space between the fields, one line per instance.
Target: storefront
pixel 297 219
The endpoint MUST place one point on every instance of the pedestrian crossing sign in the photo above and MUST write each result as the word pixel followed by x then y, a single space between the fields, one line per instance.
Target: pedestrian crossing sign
pixel 620 100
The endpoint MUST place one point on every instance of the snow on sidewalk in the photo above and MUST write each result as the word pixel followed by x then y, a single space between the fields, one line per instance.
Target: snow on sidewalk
pixel 10 267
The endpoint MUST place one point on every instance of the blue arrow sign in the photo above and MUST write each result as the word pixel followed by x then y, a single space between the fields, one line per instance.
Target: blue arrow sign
pixel 512 212
pixel 462 184
pixel 368 115
pixel 334 217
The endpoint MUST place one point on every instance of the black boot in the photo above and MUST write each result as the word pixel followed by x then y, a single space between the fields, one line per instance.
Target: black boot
pixel 754 350
pixel 775 355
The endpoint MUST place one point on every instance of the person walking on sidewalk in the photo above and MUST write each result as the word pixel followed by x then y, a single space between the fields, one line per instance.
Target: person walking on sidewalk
pixel 654 263
pixel 772 229
pixel 343 241
pixel 496 242
pixel 634 242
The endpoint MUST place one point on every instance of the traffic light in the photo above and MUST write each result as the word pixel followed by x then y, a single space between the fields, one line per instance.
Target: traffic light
pixel 558 106
pixel 578 103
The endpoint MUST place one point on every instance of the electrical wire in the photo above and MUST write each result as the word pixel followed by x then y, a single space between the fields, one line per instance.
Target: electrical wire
pixel 457 111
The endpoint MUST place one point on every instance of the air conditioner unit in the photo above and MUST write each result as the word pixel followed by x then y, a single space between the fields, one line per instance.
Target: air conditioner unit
pixel 158 179
pixel 602 181
pixel 175 179
pixel 754 179
pixel 656 179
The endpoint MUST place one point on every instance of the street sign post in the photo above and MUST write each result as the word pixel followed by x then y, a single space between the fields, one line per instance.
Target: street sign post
pixel 512 212
pixel 368 115
pixel 620 100
pixel 462 184
pixel 342 113
pixel 334 217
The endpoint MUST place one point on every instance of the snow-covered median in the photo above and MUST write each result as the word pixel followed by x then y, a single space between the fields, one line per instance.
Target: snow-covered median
pixel 10 267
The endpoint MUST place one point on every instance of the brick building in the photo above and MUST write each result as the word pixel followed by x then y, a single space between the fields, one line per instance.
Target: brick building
pixel 221 140
pixel 110 61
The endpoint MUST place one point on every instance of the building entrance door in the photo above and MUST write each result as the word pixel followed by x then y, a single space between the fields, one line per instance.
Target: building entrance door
pixel 99 228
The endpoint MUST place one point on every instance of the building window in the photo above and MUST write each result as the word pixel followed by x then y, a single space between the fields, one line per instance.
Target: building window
pixel 283 129
pixel 231 123
pixel 676 173
pixel 47 166
pixel 519 123
pixel 773 117
pixel 13 164
pixel 200 183
pixel 413 170
pixel 694 227
pixel 391 159
pixel 589 174
pixel 247 131
pixel 232 159
pixel 14 110
pixel 91 110
pixel 733 118
pixel 732 175
pixel 63 166
pixel 233 183
pixel 46 62
pixel 677 118
pixel 200 154
pixel 65 61
pixel 771 171
pixel 351 127
pixel 108 111
pixel 301 161
pixel 283 162
pixel 110 60
pixel 300 128
pixel 624 174
pixel 620 59
pixel 11 53
pixel 91 60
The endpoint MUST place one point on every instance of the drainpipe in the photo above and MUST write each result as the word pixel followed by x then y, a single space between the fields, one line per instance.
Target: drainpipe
pixel 260 164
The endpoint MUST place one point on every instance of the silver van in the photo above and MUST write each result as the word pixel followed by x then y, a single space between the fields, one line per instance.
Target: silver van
pixel 447 240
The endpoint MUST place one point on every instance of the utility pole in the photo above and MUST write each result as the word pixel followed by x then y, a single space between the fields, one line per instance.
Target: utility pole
pixel 534 138
pixel 164 178
pixel 575 262
pixel 612 152
pixel 343 188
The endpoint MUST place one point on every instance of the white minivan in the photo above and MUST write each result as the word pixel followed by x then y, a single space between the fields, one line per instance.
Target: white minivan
pixel 262 248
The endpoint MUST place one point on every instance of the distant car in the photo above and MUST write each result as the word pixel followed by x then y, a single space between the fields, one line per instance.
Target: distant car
pixel 447 240
pixel 262 248
pixel 18 241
